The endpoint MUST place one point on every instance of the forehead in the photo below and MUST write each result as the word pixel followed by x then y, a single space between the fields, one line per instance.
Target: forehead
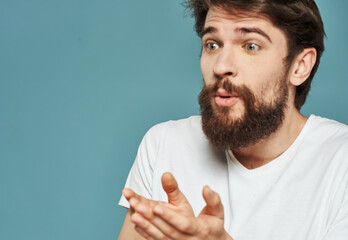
pixel 218 18
pixel 218 13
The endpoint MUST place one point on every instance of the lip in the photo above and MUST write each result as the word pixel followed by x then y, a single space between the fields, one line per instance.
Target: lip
pixel 224 93
pixel 225 99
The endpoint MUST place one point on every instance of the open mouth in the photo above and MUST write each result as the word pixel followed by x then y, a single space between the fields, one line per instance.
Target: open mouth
pixel 225 99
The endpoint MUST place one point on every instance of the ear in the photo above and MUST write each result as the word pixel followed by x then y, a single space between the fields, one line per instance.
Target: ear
pixel 302 66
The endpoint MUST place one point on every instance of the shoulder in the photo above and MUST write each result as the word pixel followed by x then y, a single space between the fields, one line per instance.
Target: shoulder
pixel 328 123
pixel 187 126
pixel 178 137
pixel 328 130
pixel 326 142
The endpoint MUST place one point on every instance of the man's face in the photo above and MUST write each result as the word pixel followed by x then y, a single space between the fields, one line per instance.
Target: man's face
pixel 244 70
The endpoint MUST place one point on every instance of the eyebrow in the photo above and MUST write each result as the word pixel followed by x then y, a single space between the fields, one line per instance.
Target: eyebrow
pixel 208 30
pixel 243 30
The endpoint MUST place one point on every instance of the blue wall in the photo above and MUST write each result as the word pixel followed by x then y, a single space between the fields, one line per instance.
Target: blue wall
pixel 80 83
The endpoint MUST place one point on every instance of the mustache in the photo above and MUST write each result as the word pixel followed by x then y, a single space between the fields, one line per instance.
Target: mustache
pixel 209 91
pixel 242 91
pixel 226 85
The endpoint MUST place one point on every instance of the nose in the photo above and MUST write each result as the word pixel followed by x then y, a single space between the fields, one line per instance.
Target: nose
pixel 225 64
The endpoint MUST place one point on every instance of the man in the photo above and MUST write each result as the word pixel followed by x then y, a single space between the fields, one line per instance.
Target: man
pixel 276 174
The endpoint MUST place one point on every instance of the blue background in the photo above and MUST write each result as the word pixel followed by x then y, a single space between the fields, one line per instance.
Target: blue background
pixel 81 81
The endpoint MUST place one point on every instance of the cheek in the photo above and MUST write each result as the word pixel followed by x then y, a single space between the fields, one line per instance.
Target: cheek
pixel 271 89
pixel 207 70
pixel 264 80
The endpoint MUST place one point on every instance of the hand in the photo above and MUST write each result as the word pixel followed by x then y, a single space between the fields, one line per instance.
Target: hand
pixel 175 219
pixel 142 208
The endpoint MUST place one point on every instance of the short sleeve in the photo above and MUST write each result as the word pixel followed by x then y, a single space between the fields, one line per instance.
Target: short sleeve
pixel 140 177
pixel 338 229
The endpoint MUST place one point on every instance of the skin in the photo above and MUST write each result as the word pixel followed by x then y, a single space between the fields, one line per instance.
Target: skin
pixel 255 59
pixel 175 219
pixel 257 62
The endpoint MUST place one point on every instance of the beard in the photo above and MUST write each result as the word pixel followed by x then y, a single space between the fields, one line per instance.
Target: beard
pixel 258 121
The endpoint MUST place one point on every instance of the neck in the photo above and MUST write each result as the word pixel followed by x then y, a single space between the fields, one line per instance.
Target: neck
pixel 273 146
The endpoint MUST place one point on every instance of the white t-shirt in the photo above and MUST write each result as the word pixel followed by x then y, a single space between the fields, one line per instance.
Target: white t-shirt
pixel 302 194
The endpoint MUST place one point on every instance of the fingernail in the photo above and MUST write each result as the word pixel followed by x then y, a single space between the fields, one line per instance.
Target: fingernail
pixel 158 210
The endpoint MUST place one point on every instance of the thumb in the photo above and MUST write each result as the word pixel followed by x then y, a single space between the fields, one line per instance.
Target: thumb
pixel 214 206
pixel 170 186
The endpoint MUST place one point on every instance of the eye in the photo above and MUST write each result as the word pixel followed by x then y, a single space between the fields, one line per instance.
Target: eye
pixel 252 47
pixel 212 46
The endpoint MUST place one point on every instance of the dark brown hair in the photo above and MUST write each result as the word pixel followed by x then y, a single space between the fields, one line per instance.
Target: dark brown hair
pixel 300 20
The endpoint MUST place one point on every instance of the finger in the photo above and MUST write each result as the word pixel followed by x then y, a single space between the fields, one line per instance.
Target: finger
pixel 142 208
pixel 180 222
pixel 170 186
pixel 145 228
pixel 142 232
pixel 147 213
pixel 214 206
pixel 128 193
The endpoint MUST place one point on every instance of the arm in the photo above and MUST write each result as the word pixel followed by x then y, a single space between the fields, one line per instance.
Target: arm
pixel 128 229
pixel 175 220
pixel 338 229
